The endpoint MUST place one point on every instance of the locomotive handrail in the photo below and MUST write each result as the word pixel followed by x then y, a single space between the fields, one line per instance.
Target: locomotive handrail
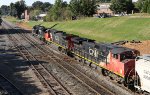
pixel 54 25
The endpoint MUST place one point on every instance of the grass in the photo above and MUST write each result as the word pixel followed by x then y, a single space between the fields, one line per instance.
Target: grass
pixel 105 29
pixel 12 19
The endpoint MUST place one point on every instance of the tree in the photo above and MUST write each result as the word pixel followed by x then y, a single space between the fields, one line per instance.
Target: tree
pixel 139 4
pixel 56 10
pixel 103 1
pixel 88 7
pixel 34 13
pixel 118 6
pixel 5 10
pixel 46 6
pixel 0 11
pixel 37 5
pixel 144 6
pixel 83 7
pixel 13 11
pixel 20 8
pixel 129 6
pixel 75 7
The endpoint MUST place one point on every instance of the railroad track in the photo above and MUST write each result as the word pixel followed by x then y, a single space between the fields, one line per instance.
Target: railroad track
pixel 53 86
pixel 99 89
pixel 73 71
pixel 8 87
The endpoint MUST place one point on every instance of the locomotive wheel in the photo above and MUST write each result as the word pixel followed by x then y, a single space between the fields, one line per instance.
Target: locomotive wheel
pixel 125 84
pixel 121 81
pixel 63 51
pixel 146 93
pixel 59 48
pixel 105 72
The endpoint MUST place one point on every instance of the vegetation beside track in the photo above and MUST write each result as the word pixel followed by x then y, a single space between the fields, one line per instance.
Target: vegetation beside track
pixel 105 29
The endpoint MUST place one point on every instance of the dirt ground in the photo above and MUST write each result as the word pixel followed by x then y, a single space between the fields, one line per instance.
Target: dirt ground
pixel 24 25
pixel 143 47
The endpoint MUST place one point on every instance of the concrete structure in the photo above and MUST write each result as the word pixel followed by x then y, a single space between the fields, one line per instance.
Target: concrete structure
pixel 26 14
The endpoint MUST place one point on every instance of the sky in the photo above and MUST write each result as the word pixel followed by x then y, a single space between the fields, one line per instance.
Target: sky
pixel 28 2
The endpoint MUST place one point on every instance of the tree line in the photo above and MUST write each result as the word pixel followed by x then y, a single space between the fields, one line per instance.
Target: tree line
pixel 143 6
pixel 61 10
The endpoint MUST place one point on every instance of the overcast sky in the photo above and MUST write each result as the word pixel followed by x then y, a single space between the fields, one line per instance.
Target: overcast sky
pixel 28 2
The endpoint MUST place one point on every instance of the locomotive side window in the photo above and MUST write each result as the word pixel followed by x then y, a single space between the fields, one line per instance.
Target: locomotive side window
pixel 57 38
pixel 126 55
pixel 115 56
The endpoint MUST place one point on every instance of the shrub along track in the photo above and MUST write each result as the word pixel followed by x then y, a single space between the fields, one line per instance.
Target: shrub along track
pixel 85 80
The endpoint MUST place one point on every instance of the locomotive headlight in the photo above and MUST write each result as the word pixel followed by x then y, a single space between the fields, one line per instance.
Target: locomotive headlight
pixel 121 71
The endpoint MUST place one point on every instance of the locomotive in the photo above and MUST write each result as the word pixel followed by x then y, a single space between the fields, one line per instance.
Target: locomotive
pixel 115 61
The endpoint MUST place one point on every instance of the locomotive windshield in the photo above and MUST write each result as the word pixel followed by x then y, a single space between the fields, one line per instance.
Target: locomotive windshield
pixel 127 55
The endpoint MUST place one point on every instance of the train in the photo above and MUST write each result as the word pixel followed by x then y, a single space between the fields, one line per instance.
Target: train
pixel 121 64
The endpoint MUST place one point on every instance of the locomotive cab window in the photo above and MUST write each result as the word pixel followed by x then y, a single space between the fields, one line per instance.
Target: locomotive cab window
pixel 126 55
pixel 115 56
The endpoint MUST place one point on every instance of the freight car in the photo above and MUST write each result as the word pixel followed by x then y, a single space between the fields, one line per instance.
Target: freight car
pixel 115 61
pixel 142 68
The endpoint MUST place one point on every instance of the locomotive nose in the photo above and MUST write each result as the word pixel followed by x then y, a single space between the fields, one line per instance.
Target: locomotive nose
pixel 129 66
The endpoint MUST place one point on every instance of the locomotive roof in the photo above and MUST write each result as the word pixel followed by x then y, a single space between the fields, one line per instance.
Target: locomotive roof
pixel 115 49
pixel 82 39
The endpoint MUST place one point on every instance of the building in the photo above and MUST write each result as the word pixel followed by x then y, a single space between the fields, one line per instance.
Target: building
pixel 40 17
pixel 104 8
pixel 27 17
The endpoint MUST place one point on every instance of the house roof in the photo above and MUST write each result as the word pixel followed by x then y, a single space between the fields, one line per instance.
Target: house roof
pixel 42 15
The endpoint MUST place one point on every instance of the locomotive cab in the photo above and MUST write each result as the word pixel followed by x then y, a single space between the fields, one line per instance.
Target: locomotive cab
pixel 117 62
pixel 124 58
pixel 47 35
pixel 41 32
pixel 35 30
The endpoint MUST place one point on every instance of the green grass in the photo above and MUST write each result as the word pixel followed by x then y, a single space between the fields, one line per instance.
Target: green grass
pixel 105 29
pixel 12 19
